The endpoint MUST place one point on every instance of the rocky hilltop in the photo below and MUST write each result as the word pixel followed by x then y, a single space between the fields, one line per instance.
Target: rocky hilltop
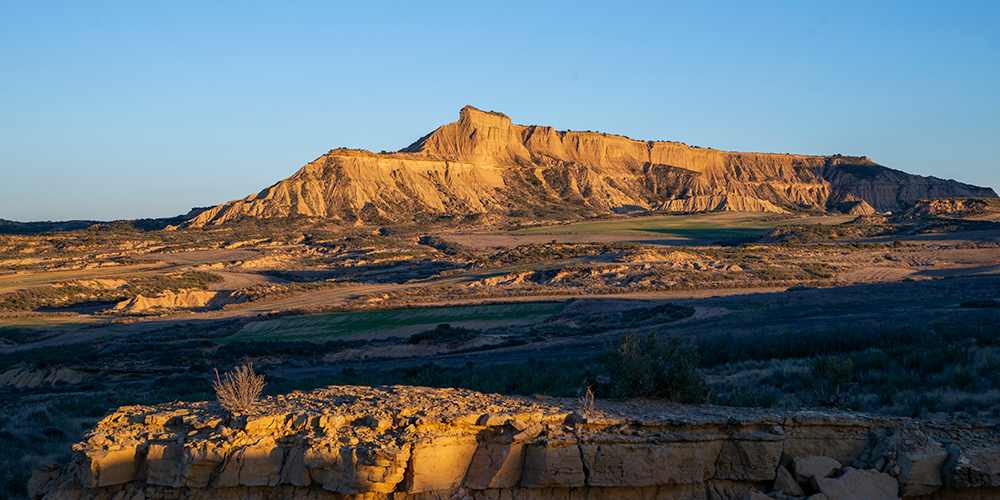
pixel 409 442
pixel 484 164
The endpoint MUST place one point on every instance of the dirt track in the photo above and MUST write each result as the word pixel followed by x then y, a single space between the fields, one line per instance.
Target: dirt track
pixel 234 281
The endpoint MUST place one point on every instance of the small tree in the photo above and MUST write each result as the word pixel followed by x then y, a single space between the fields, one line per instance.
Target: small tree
pixel 238 390
pixel 643 367
pixel 832 378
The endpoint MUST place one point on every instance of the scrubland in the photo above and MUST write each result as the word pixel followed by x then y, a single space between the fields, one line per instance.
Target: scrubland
pixel 879 315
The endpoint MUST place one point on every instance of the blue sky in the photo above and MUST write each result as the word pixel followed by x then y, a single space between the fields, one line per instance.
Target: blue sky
pixel 120 110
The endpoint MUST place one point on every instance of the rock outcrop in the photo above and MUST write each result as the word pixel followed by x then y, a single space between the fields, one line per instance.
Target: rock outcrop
pixel 959 207
pixel 23 377
pixel 484 164
pixel 407 442
pixel 169 300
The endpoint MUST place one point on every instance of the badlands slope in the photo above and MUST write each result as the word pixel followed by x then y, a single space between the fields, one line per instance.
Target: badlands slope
pixel 483 164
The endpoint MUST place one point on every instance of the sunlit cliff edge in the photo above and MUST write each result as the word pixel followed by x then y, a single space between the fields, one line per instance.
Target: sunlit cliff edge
pixel 484 164
pixel 399 442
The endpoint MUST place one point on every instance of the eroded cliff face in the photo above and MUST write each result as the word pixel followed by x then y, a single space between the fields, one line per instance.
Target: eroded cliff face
pixel 348 184
pixel 408 442
pixel 484 164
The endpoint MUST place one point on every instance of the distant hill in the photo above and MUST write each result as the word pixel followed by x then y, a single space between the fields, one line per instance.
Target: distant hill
pixel 15 227
pixel 483 164
pixel 24 228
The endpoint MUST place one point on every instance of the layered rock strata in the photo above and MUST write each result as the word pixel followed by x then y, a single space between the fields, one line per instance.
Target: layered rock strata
pixel 166 300
pixel 407 442
pixel 485 164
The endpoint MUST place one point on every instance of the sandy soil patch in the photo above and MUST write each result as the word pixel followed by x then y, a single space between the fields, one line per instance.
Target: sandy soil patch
pixel 876 274
pixel 701 312
pixel 919 263
pixel 234 281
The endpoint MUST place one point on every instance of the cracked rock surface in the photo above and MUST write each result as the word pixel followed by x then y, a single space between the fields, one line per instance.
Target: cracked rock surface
pixel 402 442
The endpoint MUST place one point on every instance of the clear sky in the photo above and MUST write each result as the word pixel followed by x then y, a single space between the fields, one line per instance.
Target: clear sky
pixel 121 110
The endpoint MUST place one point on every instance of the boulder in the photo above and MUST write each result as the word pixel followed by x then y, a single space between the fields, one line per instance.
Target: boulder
pixel 920 470
pixel 858 485
pixel 785 482
pixel 972 467
pixel 806 468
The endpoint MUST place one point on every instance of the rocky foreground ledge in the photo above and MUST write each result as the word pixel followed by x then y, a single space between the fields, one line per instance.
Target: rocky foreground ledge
pixel 412 442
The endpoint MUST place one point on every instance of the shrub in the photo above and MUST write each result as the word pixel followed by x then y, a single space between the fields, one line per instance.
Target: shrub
pixel 830 376
pixel 643 367
pixel 238 391
pixel 444 246
pixel 444 333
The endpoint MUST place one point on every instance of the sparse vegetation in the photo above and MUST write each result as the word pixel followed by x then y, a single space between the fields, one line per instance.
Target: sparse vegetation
pixel 904 371
pixel 239 390
pixel 443 333
pixel 831 377
pixel 443 245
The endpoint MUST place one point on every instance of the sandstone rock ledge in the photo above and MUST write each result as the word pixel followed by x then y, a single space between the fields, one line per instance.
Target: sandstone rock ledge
pixel 421 443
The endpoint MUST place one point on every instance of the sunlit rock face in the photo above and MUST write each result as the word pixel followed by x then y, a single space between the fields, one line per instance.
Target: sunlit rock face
pixel 410 442
pixel 485 164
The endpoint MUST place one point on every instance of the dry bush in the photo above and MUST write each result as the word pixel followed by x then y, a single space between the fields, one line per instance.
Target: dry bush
pixel 238 391
pixel 585 397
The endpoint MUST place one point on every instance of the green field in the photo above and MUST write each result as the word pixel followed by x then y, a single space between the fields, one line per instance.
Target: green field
pixel 707 225
pixel 46 322
pixel 322 327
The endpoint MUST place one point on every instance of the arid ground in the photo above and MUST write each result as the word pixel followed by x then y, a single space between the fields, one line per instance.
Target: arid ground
pixel 888 315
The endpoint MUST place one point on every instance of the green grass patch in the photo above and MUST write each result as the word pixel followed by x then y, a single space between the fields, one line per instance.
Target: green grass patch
pixel 48 322
pixel 321 327
pixel 707 225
